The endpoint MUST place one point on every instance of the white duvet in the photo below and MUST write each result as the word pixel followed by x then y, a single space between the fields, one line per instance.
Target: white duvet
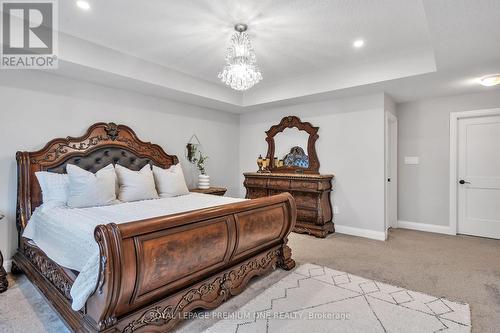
pixel 66 235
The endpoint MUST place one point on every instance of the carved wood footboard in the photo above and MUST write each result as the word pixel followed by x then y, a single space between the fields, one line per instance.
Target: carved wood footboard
pixel 185 261
pixel 155 271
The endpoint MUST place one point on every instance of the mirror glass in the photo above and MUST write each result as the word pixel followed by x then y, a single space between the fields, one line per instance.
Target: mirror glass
pixel 291 147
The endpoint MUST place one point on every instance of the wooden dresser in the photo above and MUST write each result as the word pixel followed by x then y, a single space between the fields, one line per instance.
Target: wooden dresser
pixel 310 191
pixel 288 168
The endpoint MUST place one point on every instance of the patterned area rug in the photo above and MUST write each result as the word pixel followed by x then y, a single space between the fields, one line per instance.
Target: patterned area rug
pixel 310 298
pixel 319 299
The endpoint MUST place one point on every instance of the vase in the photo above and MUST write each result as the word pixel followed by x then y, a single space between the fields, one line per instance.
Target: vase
pixel 203 182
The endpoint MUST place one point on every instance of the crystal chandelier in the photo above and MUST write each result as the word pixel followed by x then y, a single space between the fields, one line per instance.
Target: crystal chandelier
pixel 241 71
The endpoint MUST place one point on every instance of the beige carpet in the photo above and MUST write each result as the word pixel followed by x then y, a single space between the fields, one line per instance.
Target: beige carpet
pixel 461 269
pixel 23 310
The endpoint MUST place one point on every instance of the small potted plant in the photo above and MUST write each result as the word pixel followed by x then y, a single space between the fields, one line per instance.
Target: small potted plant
pixel 203 178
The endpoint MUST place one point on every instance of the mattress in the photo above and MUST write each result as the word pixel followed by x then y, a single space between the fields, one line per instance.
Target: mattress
pixel 66 235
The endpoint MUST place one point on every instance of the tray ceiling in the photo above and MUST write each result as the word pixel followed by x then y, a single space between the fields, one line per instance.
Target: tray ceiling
pixel 291 38
pixel 304 47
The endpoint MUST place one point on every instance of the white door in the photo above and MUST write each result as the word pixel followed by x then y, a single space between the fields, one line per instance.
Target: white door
pixel 479 176
pixel 391 171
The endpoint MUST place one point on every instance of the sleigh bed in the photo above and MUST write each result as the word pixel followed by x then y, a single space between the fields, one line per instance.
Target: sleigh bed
pixel 154 271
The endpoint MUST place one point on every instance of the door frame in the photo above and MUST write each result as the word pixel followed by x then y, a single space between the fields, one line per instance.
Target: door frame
pixel 391 144
pixel 454 118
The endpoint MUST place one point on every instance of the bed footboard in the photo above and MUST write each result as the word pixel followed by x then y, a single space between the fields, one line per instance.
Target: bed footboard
pixel 155 271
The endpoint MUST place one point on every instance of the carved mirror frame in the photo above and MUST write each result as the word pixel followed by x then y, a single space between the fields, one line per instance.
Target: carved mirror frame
pixel 291 122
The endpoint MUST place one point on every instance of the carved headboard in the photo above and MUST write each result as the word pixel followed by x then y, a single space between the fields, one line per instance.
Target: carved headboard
pixel 101 145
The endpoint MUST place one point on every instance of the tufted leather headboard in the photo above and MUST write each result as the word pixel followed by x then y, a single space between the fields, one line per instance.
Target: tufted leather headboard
pixel 100 158
pixel 104 143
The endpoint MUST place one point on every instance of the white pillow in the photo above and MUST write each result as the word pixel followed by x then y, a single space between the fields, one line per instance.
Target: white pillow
pixel 170 182
pixel 136 185
pixel 54 188
pixel 90 190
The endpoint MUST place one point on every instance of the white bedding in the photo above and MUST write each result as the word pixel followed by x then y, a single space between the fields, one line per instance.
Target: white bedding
pixel 66 235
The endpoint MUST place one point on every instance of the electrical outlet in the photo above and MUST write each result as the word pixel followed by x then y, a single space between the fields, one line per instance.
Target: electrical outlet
pixel 335 209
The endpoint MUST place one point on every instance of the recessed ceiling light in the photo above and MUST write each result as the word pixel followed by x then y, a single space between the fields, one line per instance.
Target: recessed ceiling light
pixel 490 80
pixel 358 43
pixel 83 5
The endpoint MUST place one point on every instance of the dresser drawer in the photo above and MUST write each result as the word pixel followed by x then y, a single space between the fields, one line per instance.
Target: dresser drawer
pixel 306 200
pixel 260 182
pixel 307 215
pixel 304 185
pixel 279 184
pixel 254 193
pixel 274 192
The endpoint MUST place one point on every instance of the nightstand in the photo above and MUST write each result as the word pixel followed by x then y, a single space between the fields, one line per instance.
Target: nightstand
pixel 4 284
pixel 212 190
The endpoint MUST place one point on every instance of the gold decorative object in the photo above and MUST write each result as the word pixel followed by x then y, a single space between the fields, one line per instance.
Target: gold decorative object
pixel 260 163
pixel 267 163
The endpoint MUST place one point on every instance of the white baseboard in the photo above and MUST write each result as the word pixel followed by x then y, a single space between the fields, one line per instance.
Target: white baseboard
pixel 439 229
pixel 372 234
pixel 7 264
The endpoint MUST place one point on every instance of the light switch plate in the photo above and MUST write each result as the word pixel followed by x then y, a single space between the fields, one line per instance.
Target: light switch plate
pixel 335 209
pixel 412 160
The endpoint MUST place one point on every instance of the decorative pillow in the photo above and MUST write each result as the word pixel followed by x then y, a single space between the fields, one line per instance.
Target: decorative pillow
pixel 90 190
pixel 170 182
pixel 136 185
pixel 54 188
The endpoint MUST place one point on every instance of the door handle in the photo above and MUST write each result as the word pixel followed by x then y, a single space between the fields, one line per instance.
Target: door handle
pixel 461 181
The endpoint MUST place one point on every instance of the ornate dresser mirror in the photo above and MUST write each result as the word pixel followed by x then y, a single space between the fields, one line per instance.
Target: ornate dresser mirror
pixel 292 165
pixel 291 147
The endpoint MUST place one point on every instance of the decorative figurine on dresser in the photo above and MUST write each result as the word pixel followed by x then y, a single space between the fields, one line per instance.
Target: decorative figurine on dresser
pixel 288 168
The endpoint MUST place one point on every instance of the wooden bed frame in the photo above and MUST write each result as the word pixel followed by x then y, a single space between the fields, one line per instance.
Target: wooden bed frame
pixel 152 272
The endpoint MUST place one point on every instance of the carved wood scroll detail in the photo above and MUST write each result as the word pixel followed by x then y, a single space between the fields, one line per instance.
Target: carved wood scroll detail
pixel 4 284
pixel 49 270
pixel 221 288
pixel 320 233
pixel 112 131
pixel 64 148
pixel 112 134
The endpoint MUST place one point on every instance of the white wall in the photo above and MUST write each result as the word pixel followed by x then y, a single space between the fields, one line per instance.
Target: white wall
pixel 350 145
pixel 424 132
pixel 36 107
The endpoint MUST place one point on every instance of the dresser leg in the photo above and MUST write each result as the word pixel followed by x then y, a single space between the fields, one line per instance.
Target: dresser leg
pixel 14 269
pixel 285 260
pixel 4 284
pixel 320 231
